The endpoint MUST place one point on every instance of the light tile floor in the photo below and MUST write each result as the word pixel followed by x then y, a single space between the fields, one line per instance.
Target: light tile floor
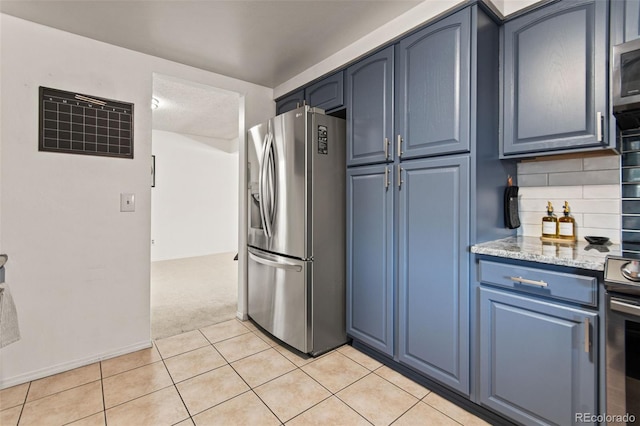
pixel 228 374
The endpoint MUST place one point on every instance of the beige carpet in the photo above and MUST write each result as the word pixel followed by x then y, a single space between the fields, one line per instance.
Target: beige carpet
pixel 190 293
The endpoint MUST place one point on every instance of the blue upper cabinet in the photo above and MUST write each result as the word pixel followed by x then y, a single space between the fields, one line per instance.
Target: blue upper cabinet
pixel 290 102
pixel 327 93
pixel 369 100
pixel 433 88
pixel 433 234
pixel 554 77
pixel 625 21
pixel 370 286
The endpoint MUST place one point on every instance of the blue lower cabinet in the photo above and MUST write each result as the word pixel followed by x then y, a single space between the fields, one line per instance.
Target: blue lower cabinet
pixel 370 256
pixel 433 282
pixel 538 359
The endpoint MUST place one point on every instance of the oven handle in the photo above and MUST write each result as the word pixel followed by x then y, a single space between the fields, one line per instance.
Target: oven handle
pixel 625 308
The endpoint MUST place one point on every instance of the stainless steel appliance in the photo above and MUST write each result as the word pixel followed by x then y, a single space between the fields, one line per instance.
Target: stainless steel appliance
pixel 626 84
pixel 296 238
pixel 622 283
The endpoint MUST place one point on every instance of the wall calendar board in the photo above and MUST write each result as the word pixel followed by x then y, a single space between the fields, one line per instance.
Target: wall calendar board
pixel 82 124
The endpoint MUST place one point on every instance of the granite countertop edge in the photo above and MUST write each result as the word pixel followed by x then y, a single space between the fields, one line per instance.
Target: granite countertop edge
pixel 530 249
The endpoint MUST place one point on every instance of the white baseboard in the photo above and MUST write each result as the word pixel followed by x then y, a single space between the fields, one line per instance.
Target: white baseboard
pixel 242 316
pixel 55 369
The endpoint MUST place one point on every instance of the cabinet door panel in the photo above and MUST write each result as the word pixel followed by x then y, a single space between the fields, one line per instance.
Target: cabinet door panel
pixel 533 363
pixel 433 85
pixel 625 21
pixel 290 102
pixel 434 269
pixel 328 93
pixel 369 92
pixel 555 78
pixel 369 258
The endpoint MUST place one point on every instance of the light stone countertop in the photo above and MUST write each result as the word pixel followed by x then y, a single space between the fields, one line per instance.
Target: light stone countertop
pixel 580 255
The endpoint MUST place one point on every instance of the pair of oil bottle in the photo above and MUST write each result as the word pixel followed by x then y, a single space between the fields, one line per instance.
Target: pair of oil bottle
pixel 563 227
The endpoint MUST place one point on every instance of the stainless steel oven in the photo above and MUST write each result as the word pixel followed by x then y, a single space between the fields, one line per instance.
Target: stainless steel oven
pixel 622 282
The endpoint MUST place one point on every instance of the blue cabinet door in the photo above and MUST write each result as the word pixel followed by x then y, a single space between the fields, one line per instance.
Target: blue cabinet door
pixel 369 93
pixel 554 69
pixel 625 21
pixel 433 88
pixel 369 256
pixel 538 360
pixel 327 93
pixel 433 305
pixel 290 102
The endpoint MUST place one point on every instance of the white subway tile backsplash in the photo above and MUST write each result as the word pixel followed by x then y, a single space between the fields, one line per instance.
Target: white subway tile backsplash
pixel 550 166
pixel 595 206
pixel 531 218
pixel 606 162
pixel 591 186
pixel 607 221
pixel 548 192
pixel 533 180
pixel 602 191
pixel 592 177
pixel 531 230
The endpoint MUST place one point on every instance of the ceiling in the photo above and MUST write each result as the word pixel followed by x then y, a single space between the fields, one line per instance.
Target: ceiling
pixel 259 41
pixel 191 108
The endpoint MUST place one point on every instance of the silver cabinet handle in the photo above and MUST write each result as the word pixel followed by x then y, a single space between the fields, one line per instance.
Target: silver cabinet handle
pixel 386 148
pixel 599 126
pixel 274 264
pixel 399 176
pixel 386 178
pixel 625 308
pixel 587 336
pixel 399 146
pixel 526 281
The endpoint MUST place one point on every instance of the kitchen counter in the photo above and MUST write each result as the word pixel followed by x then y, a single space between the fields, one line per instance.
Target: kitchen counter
pixel 579 255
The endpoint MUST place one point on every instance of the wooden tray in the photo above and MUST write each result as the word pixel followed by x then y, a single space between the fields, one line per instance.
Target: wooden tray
pixel 557 240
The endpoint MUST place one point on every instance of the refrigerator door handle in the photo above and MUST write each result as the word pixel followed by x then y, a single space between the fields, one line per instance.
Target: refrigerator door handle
pixel 275 264
pixel 271 163
pixel 269 174
pixel 261 186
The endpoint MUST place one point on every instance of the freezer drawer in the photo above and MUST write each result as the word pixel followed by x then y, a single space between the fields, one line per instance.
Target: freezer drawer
pixel 278 297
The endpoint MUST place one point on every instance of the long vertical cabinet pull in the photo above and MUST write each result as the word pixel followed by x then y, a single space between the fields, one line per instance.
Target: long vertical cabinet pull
pixel 599 126
pixel 386 148
pixel 587 335
pixel 399 177
pixel 386 177
pixel 399 146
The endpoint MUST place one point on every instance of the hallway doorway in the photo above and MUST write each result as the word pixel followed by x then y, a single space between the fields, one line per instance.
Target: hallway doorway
pixel 194 206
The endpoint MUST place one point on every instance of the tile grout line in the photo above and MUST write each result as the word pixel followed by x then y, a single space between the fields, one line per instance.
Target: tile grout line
pixel 333 394
pixel 184 404
pixel 24 403
pixel 104 403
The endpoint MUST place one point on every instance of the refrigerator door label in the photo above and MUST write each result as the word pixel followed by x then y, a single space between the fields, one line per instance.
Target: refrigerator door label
pixel 322 140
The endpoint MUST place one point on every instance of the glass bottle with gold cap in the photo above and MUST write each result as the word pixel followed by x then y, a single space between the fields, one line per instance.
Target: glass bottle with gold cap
pixel 550 223
pixel 567 224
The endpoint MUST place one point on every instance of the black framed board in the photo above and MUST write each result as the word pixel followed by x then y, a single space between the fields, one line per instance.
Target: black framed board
pixel 74 123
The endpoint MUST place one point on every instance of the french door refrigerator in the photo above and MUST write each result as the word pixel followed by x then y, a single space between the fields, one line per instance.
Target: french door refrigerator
pixel 296 237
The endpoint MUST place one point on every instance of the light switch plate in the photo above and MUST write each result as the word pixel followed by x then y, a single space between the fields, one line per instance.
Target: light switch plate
pixel 127 202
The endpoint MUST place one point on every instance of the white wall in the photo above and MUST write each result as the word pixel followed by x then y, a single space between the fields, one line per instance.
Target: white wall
pixel 78 268
pixel 194 205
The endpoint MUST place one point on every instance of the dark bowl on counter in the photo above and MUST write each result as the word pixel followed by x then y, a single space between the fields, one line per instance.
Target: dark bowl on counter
pixel 596 240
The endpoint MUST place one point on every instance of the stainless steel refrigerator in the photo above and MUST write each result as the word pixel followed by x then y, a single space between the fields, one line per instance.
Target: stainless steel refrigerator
pixel 296 239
